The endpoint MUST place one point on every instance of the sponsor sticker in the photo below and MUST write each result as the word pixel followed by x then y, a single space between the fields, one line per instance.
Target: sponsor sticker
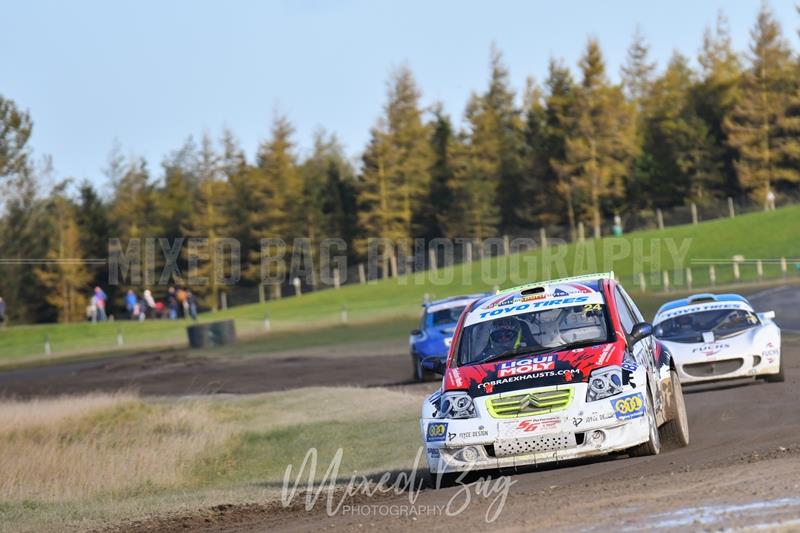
pixel 628 407
pixel 527 365
pixel 629 366
pixel 437 431
pixel 711 349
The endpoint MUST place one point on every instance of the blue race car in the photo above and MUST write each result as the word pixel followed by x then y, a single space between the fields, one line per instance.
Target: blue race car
pixel 430 343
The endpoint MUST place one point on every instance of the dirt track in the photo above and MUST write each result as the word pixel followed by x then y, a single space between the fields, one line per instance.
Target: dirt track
pixel 742 468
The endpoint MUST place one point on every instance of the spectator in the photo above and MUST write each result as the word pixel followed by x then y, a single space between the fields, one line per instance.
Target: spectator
pixel 2 312
pixel 130 304
pixel 149 303
pixel 172 303
pixel 183 300
pixel 100 303
pixel 192 302
pixel 770 200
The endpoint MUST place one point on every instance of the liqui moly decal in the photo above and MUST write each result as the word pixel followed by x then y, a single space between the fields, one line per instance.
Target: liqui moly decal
pixel 528 365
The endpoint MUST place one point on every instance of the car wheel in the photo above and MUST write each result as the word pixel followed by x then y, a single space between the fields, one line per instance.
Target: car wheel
pixel 776 378
pixel 652 446
pixel 418 371
pixel 675 433
pixel 443 481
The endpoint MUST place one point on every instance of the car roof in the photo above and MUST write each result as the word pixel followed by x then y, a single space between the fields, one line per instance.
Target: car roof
pixel 544 284
pixel 701 298
pixel 452 301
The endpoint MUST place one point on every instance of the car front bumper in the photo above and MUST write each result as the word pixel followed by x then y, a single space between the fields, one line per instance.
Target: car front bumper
pixel 584 429
pixel 727 366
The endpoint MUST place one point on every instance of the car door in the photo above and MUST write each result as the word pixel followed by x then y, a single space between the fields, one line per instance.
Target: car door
pixel 643 350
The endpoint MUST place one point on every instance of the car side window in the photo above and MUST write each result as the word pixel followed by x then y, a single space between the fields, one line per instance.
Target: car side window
pixel 625 315
pixel 637 315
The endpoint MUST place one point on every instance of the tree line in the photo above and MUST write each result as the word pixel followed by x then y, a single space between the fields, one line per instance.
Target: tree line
pixel 575 147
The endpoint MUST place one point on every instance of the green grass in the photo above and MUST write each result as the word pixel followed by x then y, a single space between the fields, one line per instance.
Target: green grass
pixel 756 235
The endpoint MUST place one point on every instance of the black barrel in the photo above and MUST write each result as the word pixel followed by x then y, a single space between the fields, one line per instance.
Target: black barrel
pixel 212 334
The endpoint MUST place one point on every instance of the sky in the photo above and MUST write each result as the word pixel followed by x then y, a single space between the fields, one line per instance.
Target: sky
pixel 151 73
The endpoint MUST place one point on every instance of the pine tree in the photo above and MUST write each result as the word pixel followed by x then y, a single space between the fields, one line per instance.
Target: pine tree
pixel 15 131
pixel 559 101
pixel 675 140
pixel 443 143
pixel 754 126
pixel 92 218
pixel 277 190
pixel 476 176
pixel 714 98
pixel 396 174
pixel 66 280
pixel 601 143
pixel 536 186
pixel 637 73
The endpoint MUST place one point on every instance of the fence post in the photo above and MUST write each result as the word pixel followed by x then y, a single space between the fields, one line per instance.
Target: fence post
pixel 581 232
pixel 343 315
pixel 432 260
pixel 783 266
pixel 660 218
pixel 506 245
pixel 267 323
pixel 736 270
pixel 47 349
pixel 712 275
pixel 223 297
pixel 120 340
pixel 694 213
pixel 262 298
pixel 542 238
pixel 760 269
pixel 689 277
pixel 642 282
pixel 731 211
pixel 298 288
pixel 362 277
pixel 468 252
pixel 665 280
pixel 336 281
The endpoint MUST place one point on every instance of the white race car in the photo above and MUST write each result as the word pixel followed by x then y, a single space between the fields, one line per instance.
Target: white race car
pixel 549 372
pixel 720 336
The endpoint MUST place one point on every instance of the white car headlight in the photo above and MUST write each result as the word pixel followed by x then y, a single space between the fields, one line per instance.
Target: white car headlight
pixel 604 382
pixel 456 405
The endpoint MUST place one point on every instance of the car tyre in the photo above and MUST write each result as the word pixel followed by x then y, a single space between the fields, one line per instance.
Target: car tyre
pixel 443 481
pixel 780 377
pixel 652 446
pixel 675 433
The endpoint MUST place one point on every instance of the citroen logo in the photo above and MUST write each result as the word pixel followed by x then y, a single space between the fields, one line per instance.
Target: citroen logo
pixel 527 401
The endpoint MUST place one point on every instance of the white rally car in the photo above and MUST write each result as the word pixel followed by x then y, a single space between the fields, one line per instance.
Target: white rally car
pixel 549 372
pixel 720 336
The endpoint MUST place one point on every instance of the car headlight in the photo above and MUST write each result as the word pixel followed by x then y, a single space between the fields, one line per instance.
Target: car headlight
pixel 456 405
pixel 604 382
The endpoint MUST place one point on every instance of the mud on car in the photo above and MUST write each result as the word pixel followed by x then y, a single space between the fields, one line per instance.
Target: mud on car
pixel 552 371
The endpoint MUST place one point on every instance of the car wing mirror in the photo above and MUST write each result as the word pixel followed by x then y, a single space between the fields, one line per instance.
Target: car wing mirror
pixel 640 331
pixel 767 316
pixel 437 365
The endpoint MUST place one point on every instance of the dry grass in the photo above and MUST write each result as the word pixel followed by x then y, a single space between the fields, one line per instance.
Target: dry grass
pixel 72 448
pixel 92 460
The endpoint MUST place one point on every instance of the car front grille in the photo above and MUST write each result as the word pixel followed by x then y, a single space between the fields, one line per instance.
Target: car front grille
pixel 534 403
pixel 548 443
pixel 713 368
